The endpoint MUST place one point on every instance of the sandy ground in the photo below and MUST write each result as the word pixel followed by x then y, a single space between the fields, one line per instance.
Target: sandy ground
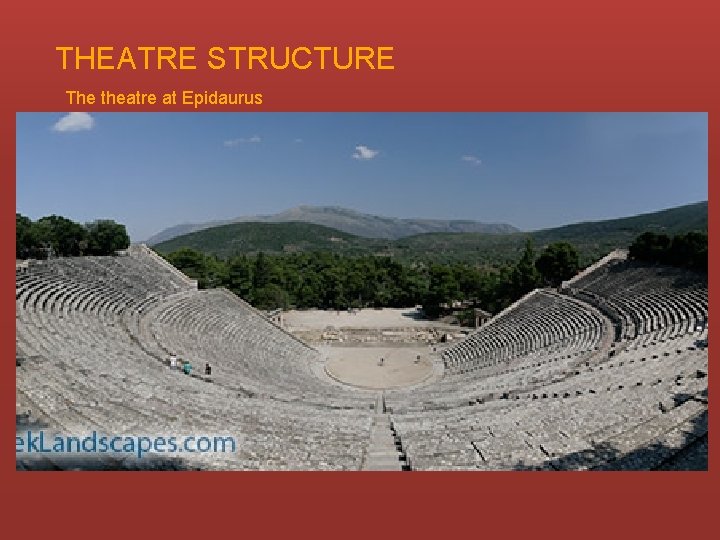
pixel 365 318
pixel 359 366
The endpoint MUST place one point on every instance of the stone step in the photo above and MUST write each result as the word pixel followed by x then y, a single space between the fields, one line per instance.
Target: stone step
pixel 384 459
pixel 387 467
pixel 381 453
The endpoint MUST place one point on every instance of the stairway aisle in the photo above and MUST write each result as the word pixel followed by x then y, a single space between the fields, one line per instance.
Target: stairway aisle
pixel 382 454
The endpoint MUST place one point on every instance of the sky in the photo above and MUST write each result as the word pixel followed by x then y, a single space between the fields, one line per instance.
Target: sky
pixel 151 171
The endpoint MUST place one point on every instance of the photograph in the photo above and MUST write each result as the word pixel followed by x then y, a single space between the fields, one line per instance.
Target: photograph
pixel 361 291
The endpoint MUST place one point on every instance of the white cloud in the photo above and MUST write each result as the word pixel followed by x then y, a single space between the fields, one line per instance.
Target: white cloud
pixel 298 140
pixel 362 152
pixel 242 140
pixel 74 121
pixel 472 159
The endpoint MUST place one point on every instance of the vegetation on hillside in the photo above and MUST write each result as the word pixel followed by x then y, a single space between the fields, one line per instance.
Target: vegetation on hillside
pixel 321 279
pixel 251 238
pixel 592 240
pixel 333 281
pixel 684 250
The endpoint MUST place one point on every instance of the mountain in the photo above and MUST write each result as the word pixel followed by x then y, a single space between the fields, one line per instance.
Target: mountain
pixel 241 238
pixel 593 239
pixel 349 221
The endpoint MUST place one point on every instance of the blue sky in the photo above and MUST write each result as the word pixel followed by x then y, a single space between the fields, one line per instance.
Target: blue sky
pixel 532 170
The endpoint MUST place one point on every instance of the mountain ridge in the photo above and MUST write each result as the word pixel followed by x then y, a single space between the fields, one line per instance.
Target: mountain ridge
pixel 592 238
pixel 345 220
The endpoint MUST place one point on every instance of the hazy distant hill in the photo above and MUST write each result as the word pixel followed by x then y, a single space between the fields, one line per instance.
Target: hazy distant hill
pixel 593 239
pixel 349 221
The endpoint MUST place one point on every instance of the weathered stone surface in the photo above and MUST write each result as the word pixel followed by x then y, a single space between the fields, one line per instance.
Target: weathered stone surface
pixel 534 388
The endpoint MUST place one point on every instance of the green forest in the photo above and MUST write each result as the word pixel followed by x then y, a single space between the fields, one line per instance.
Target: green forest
pixel 326 280
pixel 688 250
pixel 335 281
pixel 57 236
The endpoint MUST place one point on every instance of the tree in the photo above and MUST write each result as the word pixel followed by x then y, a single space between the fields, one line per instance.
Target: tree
pixel 525 276
pixel 216 272
pixel 443 289
pixel 270 296
pixel 264 272
pixel 24 241
pixel 240 279
pixel 354 285
pixel 689 250
pixel 191 263
pixel 310 291
pixel 65 237
pixel 334 288
pixel 650 246
pixel 58 236
pixel 105 237
pixel 558 262
pixel 414 288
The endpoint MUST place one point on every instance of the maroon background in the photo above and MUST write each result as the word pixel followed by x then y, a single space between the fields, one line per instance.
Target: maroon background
pixel 508 55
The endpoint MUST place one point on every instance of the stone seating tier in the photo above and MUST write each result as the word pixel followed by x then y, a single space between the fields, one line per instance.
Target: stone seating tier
pixel 611 373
